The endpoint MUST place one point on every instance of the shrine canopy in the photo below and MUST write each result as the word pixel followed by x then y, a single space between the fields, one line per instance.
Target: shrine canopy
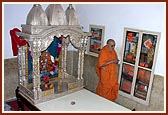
pixel 52 60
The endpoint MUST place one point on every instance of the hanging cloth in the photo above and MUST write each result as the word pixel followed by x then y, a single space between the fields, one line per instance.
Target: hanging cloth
pixel 16 41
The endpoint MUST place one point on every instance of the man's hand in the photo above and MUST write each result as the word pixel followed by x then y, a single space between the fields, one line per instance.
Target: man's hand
pixel 103 68
pixel 110 62
pixel 116 61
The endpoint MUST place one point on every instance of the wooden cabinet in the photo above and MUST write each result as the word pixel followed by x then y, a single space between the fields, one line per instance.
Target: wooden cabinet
pixel 137 64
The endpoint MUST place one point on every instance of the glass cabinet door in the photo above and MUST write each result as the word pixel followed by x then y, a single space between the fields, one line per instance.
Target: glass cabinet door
pixel 147 50
pixel 126 78
pixel 129 58
pixel 145 65
pixel 142 83
pixel 131 44
pixel 138 59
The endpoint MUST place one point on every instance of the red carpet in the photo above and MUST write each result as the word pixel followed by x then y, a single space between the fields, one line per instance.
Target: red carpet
pixel 14 105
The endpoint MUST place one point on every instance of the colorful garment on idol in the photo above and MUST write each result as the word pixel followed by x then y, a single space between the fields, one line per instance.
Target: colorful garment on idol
pixel 49 61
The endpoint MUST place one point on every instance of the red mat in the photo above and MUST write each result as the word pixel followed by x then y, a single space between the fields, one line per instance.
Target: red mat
pixel 14 105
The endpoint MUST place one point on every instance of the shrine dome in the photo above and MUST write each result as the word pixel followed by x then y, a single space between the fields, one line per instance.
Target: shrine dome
pixel 56 15
pixel 37 16
pixel 71 16
pixel 53 15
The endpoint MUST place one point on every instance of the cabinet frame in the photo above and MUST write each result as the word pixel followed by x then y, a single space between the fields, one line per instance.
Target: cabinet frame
pixel 136 65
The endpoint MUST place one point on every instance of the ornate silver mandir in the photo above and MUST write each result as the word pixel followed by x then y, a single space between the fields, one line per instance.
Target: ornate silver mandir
pixel 41 29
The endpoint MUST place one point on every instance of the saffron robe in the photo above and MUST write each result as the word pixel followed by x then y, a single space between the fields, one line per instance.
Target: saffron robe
pixel 108 85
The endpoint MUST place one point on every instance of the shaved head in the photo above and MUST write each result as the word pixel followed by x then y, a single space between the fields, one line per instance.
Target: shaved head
pixel 111 44
pixel 110 40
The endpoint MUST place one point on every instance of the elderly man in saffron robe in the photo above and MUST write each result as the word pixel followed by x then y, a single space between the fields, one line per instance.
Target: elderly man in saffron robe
pixel 106 70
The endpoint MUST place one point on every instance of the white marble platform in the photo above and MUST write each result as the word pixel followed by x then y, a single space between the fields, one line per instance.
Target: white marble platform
pixel 81 101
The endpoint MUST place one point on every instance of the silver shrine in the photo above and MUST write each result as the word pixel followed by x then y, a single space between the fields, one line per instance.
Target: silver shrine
pixel 39 31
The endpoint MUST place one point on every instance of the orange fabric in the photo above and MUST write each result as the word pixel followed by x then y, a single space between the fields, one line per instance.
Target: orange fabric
pixel 108 79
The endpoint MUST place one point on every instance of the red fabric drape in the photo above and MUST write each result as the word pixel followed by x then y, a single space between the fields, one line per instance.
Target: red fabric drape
pixel 16 41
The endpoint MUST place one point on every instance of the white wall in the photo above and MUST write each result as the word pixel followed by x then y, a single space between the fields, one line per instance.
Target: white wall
pixel 14 16
pixel 113 16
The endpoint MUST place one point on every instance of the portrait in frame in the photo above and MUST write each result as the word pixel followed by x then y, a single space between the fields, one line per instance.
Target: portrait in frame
pixel 95 42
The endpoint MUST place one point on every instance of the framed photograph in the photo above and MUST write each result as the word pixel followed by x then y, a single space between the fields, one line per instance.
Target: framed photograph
pixel 96 40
